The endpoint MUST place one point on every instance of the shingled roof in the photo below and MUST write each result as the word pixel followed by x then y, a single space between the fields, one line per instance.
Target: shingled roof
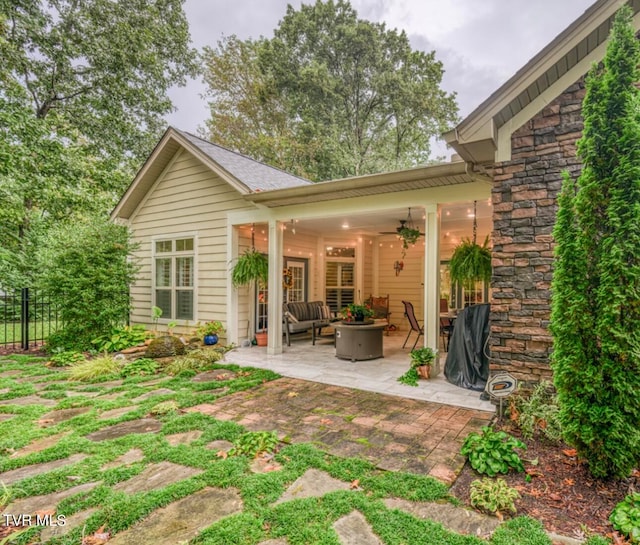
pixel 255 175
pixel 246 175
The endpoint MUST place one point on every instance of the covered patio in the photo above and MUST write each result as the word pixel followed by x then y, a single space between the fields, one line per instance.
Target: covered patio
pixel 340 239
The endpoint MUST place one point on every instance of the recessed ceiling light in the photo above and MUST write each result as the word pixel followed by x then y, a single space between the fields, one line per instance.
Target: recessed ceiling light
pixel 345 225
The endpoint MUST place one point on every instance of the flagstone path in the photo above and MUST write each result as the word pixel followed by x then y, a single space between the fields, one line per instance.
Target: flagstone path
pixel 393 433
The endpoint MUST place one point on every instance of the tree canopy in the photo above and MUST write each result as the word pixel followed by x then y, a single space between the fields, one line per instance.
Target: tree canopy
pixel 595 317
pixel 83 89
pixel 330 95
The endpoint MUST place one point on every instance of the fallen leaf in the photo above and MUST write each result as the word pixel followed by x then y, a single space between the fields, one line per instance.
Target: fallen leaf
pixel 355 484
pixel 570 452
pixel 222 454
pixel 326 421
pixel 569 482
pixel 293 394
pixel 555 497
pixel 98 538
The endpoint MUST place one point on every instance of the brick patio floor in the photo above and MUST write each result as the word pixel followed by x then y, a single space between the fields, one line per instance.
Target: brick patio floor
pixel 394 433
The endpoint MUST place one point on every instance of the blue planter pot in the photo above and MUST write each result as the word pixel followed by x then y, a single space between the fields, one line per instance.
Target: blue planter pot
pixel 210 339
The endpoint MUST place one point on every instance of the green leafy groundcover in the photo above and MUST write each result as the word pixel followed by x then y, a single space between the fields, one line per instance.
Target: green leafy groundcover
pixel 302 522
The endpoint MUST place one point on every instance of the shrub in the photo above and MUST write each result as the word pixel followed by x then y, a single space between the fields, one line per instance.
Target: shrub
pixel 64 358
pixel 626 517
pixel 596 281
pixel 95 368
pixel 86 269
pixel 493 496
pixel 119 338
pixel 140 367
pixel 539 413
pixel 492 452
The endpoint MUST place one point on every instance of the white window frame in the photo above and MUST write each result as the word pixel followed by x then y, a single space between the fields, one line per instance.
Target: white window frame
pixel 173 255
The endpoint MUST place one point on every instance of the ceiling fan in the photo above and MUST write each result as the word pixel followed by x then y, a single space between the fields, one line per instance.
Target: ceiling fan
pixel 408 222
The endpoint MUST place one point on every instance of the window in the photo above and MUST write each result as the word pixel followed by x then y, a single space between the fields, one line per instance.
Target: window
pixel 174 278
pixel 298 289
pixel 340 277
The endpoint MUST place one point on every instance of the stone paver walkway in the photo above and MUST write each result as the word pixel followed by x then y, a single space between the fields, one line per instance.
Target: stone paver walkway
pixel 394 433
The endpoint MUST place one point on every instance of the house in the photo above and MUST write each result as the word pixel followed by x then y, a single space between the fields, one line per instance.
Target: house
pixel 194 207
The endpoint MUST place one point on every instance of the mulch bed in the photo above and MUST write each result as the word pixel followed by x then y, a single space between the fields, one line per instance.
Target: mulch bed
pixel 561 492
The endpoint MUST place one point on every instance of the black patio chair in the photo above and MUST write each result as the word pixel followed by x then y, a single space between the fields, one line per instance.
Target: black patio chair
pixel 413 322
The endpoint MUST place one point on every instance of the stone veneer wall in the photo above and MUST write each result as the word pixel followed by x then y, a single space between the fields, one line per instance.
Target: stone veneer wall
pixel 524 210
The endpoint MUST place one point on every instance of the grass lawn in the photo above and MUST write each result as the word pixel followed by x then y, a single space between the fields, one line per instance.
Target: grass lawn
pixel 10 331
pixel 301 521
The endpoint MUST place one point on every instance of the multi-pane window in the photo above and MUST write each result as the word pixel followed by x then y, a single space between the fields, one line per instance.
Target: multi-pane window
pixel 174 278
pixel 340 277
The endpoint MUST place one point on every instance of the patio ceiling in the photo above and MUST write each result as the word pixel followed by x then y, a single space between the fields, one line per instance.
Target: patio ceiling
pixel 456 223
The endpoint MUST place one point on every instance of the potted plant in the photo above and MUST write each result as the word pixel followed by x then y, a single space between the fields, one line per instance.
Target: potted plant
pixel 356 313
pixel 421 361
pixel 209 332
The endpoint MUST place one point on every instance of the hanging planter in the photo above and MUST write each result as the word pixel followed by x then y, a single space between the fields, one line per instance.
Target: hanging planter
pixel 471 262
pixel 251 266
pixel 408 236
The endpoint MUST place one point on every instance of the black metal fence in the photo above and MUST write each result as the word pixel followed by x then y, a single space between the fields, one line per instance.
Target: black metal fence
pixel 27 318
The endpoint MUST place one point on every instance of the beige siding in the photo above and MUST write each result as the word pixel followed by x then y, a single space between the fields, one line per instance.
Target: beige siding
pixel 408 285
pixel 188 198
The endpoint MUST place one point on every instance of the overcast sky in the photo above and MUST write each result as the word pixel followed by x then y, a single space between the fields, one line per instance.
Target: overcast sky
pixel 481 43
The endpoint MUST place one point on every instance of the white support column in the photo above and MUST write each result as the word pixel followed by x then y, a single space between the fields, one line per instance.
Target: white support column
pixel 274 310
pixel 432 277
pixel 232 293
pixel 360 295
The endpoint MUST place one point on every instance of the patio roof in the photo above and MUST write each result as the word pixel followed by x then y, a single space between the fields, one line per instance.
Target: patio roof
pixel 446 174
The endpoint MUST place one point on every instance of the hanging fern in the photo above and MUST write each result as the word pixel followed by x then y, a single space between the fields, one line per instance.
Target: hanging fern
pixel 471 263
pixel 251 266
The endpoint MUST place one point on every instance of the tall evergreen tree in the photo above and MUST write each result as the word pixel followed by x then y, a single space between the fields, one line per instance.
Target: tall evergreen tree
pixel 596 286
